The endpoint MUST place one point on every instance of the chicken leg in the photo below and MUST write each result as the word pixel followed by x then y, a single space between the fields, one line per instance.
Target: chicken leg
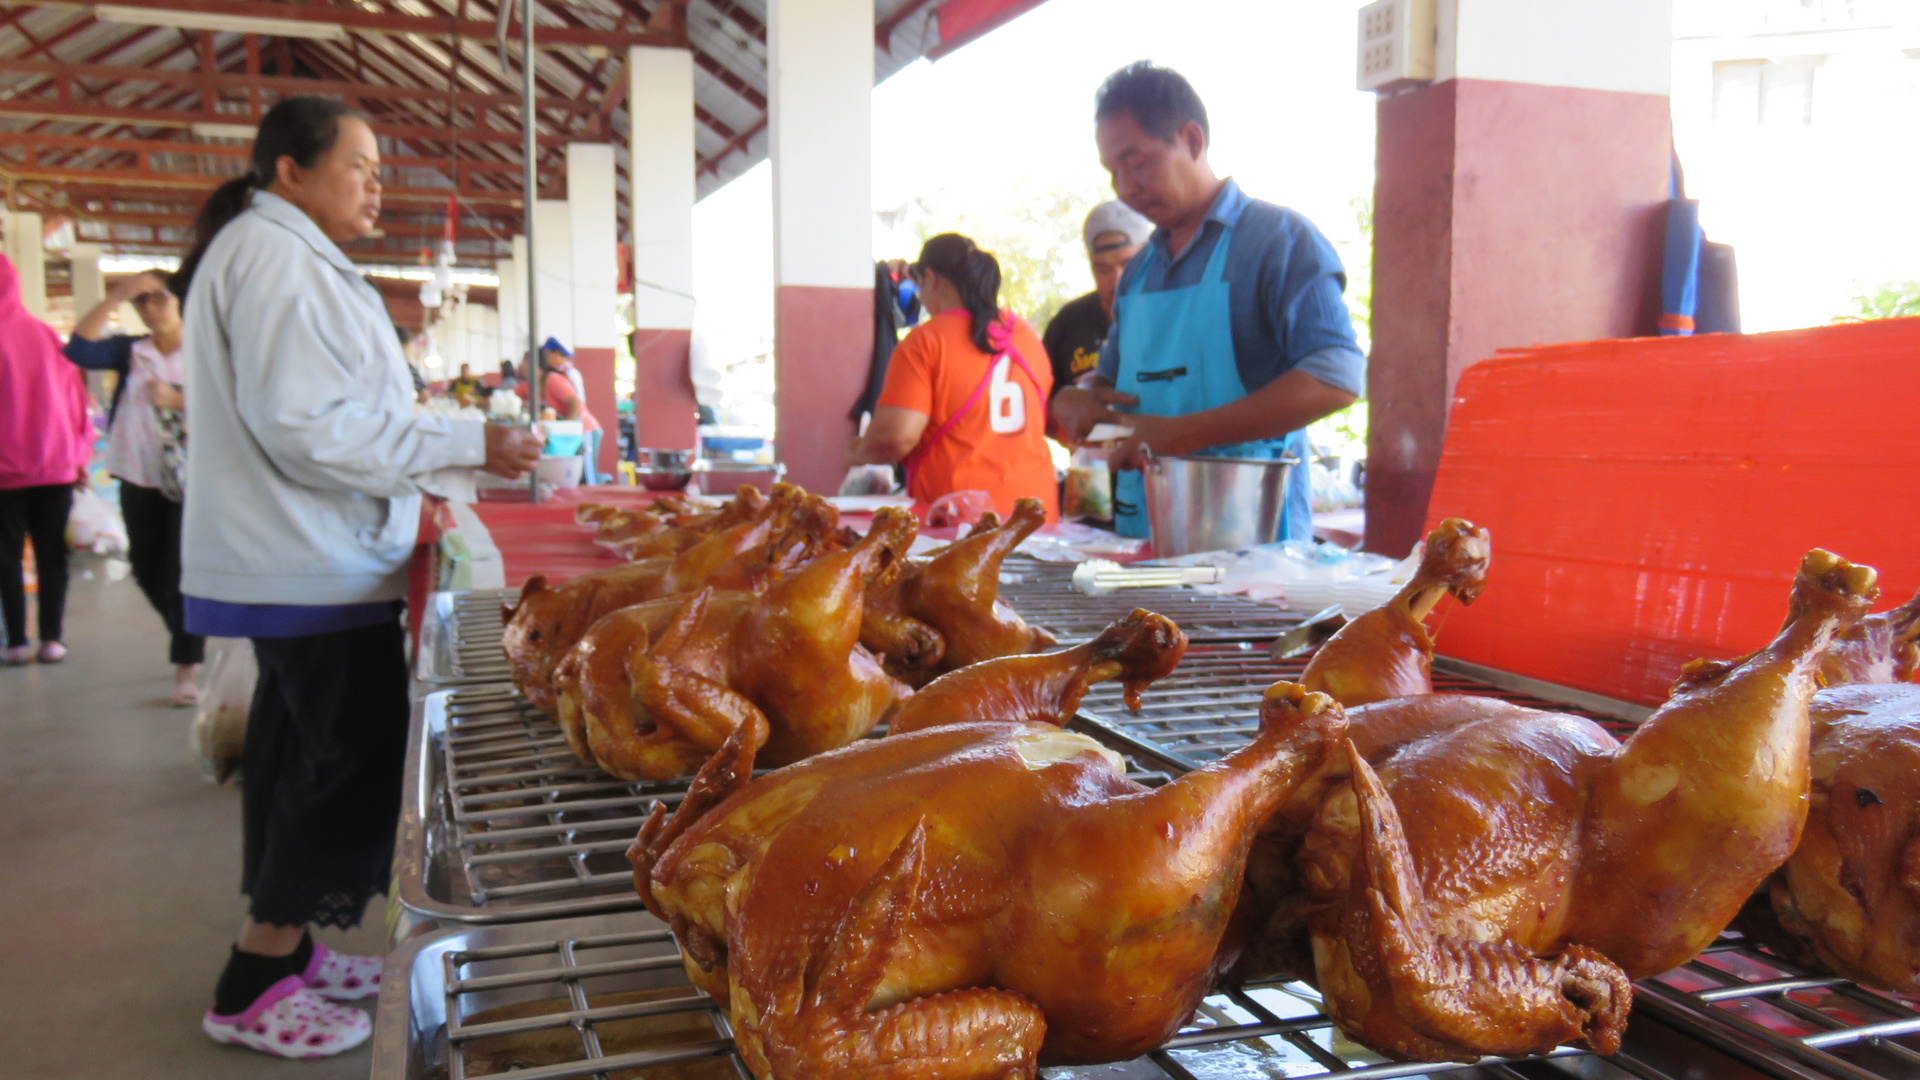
pixel 1387 652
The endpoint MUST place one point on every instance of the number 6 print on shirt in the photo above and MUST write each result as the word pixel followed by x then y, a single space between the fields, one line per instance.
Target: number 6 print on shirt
pixel 1007 402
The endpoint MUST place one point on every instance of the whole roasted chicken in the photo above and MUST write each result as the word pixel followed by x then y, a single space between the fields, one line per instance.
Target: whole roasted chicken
pixel 547 621
pixel 1490 877
pixel 1848 901
pixel 653 689
pixel 1387 652
pixel 970 899
pixel 944 613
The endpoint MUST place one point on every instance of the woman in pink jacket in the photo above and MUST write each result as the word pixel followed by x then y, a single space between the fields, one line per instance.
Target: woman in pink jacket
pixel 45 440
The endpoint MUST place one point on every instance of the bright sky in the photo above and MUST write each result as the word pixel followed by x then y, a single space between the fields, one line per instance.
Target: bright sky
pixel 1016 107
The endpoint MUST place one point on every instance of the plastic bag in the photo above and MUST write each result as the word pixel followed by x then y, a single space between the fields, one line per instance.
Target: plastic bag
pixel 94 526
pixel 218 735
pixel 958 508
pixel 1089 490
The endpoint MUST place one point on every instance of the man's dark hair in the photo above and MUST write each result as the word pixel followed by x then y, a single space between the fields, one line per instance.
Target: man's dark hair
pixel 1159 98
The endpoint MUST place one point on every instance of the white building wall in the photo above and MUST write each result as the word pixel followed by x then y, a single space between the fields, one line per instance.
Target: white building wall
pixel 594 222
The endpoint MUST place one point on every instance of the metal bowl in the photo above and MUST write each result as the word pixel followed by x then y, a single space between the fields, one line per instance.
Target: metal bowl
pixel 1215 504
pixel 664 469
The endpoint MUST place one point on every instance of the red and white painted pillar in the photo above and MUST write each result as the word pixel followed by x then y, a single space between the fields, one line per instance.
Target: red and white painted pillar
pixel 661 174
pixel 821 71
pixel 1519 200
pixel 594 259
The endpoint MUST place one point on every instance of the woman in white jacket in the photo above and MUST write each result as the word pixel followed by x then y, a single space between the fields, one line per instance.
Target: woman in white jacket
pixel 303 499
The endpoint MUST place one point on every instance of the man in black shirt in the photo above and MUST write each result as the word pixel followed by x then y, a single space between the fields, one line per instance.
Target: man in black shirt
pixel 1113 233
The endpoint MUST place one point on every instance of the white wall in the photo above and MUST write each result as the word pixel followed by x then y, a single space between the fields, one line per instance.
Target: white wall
pixel 595 244
pixel 660 171
pixel 1607 45
pixel 553 269
pixel 22 245
pixel 821 70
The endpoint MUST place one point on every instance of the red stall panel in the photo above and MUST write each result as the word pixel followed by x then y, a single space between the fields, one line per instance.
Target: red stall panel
pixel 1649 499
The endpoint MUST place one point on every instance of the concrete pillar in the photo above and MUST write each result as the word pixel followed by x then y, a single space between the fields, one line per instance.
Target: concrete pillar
pixel 512 337
pixel 22 246
pixel 661 172
pixel 521 317
pixel 1518 200
pixel 552 263
pixel 821 74
pixel 89 284
pixel 592 207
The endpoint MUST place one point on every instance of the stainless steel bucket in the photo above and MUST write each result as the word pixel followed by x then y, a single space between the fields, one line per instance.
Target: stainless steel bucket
pixel 1211 504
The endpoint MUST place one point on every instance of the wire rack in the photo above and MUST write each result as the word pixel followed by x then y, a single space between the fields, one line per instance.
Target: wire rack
pixel 460 638
pixel 523 828
pixel 1044 595
pixel 1210 705
pixel 618 1005
pixel 1754 1005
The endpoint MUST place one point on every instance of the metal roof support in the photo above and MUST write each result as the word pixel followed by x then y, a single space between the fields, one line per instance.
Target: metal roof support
pixel 530 189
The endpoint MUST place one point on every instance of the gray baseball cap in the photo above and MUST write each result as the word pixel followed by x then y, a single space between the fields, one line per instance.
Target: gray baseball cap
pixel 1117 217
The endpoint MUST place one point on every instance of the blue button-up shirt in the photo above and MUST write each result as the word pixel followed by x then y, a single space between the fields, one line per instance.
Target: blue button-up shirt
pixel 1284 293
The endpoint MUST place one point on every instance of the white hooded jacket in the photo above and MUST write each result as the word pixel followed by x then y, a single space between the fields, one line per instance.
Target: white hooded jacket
pixel 308 459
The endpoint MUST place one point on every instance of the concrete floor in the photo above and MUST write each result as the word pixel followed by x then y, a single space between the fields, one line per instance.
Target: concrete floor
pixel 119 865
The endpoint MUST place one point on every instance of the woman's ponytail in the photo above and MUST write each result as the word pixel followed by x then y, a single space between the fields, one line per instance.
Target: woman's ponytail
pixel 302 128
pixel 975 273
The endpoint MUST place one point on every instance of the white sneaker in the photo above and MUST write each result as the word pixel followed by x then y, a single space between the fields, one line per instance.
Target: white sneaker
pixel 339 977
pixel 291 1021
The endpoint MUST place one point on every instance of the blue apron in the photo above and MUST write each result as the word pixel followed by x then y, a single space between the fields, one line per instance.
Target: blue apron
pixel 1176 356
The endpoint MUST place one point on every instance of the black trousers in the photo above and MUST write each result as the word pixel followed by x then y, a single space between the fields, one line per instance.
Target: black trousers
pixel 39 512
pixel 153 547
pixel 321 775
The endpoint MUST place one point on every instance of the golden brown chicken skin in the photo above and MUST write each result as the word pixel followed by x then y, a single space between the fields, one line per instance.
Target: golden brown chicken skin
pixel 944 613
pixel 966 901
pixel 1492 876
pixel 655 688
pixel 547 622
pixel 1387 652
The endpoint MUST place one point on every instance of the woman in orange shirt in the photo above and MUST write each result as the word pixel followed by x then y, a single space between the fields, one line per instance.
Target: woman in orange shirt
pixel 965 401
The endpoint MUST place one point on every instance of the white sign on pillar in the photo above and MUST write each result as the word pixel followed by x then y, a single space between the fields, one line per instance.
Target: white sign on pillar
pixel 821 64
pixel 593 207
pixel 661 174
pixel 553 268
pixel 522 319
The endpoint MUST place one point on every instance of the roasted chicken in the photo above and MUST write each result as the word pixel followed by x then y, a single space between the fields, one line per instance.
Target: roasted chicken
pixel 653 689
pixel 1387 652
pixel 1490 877
pixel 748 555
pixel 1848 901
pixel 944 613
pixel 965 901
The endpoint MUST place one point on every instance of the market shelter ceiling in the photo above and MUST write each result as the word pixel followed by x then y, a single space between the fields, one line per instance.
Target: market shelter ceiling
pixel 122 116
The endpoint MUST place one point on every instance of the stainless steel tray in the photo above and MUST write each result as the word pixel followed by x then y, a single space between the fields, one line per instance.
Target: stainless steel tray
pixel 1044 595
pixel 577 997
pixel 1210 705
pixel 501 823
pixel 460 638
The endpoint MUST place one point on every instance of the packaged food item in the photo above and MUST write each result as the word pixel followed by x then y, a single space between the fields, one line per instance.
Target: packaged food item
pixel 1089 488
pixel 958 508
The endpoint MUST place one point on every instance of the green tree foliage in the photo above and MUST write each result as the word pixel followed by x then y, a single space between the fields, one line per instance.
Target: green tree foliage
pixel 1890 299
pixel 1034 233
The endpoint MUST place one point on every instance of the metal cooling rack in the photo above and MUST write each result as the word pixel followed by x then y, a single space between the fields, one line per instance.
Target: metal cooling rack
pixel 505 824
pixel 1210 705
pixel 460 638
pixel 575 999
pixel 1044 595
pixel 1758 1007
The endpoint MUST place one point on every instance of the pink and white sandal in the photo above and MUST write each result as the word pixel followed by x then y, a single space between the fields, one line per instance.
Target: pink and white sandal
pixel 339 977
pixel 291 1021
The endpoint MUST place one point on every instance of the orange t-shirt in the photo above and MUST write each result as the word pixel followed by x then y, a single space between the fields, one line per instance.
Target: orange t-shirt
pixel 999 446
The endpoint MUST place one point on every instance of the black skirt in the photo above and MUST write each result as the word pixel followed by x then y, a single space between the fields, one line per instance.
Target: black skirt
pixel 325 753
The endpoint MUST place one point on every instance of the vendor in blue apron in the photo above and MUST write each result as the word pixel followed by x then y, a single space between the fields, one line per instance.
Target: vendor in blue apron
pixel 1230 333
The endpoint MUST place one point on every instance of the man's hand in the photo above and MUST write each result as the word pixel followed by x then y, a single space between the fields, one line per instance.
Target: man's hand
pixel 512 452
pixel 1076 409
pixel 1152 435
